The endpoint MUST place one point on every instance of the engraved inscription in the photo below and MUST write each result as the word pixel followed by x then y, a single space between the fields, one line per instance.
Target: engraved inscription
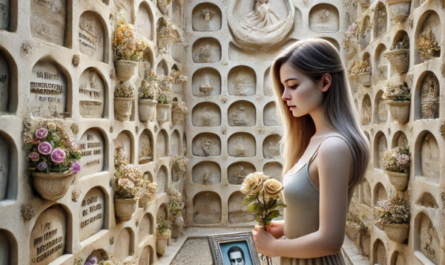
pixel 91 146
pixel 91 36
pixel 4 14
pixel 4 83
pixel 91 213
pixel 91 93
pixel 4 168
pixel 48 20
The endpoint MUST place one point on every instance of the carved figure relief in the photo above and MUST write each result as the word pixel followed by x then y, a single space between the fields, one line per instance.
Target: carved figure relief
pixel 205 88
pixel 206 144
pixel 430 97
pixel 206 82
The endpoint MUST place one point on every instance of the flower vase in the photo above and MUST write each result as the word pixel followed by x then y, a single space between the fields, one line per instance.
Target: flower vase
pixel 398 9
pixel 161 242
pixel 365 78
pixel 54 185
pixel 123 108
pixel 399 59
pixel 124 69
pixel 396 232
pixel 147 109
pixel 124 208
pixel 399 110
pixel 398 180
pixel 163 112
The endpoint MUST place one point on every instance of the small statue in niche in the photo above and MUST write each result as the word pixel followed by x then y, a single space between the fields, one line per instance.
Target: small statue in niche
pixel 204 54
pixel 430 97
pixel 206 117
pixel 240 85
pixel 324 15
pixel 205 88
pixel 239 174
pixel 206 14
pixel 120 156
pixel 239 118
pixel 261 18
pixel 240 149
pixel 145 153
pixel 206 177
pixel 206 144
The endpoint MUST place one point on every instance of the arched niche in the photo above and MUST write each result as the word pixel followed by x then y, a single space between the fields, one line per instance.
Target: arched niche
pixel 273 169
pixel 144 21
pixel 146 227
pixel 184 144
pixel 427 156
pixel 298 19
pixel 237 211
pixel 381 109
pixel 162 68
pixel 206 144
pixel 381 64
pixel 207 208
pixel 8 248
pixel 177 15
pixel 162 212
pixel 237 172
pixel 427 200
pixel 267 85
pixel 333 42
pixel 162 179
pixel 380 193
pixel 428 23
pixel 206 82
pixel 242 145
pixel 50 90
pixel 162 144
pixel 92 94
pixel 124 244
pixel 365 32
pixel 401 40
pixel 125 140
pixel 271 146
pixel 206 172
pixel 366 111
pixel 426 239
pixel 8 18
pixel 92 213
pixel 145 147
pixel 175 143
pixel 324 18
pixel 366 195
pixel 206 17
pixel 125 8
pixel 147 62
pixel 93 36
pixel 50 21
pixel 8 168
pixel 397 258
pixel 380 146
pixel 93 147
pixel 241 113
pixel 427 97
pixel 147 256
pixel 270 117
pixel 148 176
pixel 399 140
pixel 242 81
pixel 8 82
pixel 206 114
pixel 380 22
pixel 206 50
pixel 379 252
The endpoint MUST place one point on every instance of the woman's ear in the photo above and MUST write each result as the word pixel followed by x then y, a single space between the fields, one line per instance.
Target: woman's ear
pixel 326 81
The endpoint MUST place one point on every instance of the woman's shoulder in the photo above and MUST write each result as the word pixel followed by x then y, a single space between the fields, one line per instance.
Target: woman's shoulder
pixel 336 148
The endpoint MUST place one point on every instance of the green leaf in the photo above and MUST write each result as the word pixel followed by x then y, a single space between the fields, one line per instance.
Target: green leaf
pixel 279 204
pixel 255 207
pixel 268 222
pixel 258 219
pixel 273 214
pixel 248 199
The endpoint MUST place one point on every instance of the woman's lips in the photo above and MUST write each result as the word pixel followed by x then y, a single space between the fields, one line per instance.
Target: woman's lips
pixel 290 107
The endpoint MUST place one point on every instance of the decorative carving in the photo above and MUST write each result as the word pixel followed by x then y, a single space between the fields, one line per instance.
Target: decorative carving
pixel 27 211
pixel 76 60
pixel 205 88
pixel 75 195
pixel 324 18
pixel 26 48
pixel 206 144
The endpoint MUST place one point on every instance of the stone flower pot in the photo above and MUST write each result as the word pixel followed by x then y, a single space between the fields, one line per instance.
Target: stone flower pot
pixel 399 110
pixel 163 112
pixel 176 230
pixel 54 185
pixel 398 9
pixel 396 232
pixel 124 69
pixel 147 109
pixel 365 78
pixel 178 117
pixel 123 108
pixel 124 208
pixel 398 180
pixel 161 241
pixel 399 59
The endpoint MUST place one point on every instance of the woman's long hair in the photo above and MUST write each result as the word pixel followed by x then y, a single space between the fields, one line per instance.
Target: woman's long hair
pixel 314 58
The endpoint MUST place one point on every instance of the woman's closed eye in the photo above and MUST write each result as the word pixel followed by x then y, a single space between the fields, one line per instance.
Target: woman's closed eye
pixel 293 86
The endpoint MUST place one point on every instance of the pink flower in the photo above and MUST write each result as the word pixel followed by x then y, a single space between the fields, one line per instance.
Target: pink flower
pixel 42 166
pixel 34 156
pixel 45 148
pixel 76 167
pixel 41 133
pixel 58 156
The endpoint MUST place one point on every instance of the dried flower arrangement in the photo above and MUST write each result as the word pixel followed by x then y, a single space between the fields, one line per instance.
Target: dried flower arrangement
pixel 397 92
pixel 162 226
pixel 127 181
pixel 164 97
pixel 149 86
pixel 392 211
pixel 365 66
pixel 180 106
pixel 355 69
pixel 124 90
pixel 399 45
pixel 180 163
pixel 164 82
pixel 427 44
pixel 353 220
pixel 396 160
pixel 128 44
pixel 165 35
pixel 178 77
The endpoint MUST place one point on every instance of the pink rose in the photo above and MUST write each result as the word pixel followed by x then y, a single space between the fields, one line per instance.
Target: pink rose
pixel 76 167
pixel 58 156
pixel 41 133
pixel 34 156
pixel 45 148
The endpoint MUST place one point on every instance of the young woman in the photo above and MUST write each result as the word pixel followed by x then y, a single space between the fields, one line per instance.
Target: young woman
pixel 326 155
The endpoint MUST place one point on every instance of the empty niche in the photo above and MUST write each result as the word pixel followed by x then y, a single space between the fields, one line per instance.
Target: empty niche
pixel 6 172
pixel 427 239
pixel 162 212
pixel 242 145
pixel 206 172
pixel 397 259
pixel 125 142
pixel 270 117
pixel 92 148
pixel 380 20
pixel 49 21
pixel 366 112
pixel 92 36
pixel 206 50
pixel 145 227
pixel 380 146
pixel 144 22
pixel 206 17
pixel 365 32
pixel 207 208
pixel 238 171
pixel 267 85
pixel 146 63
pixel 162 68
pixel 242 81
pixel 184 144
pixel 381 114
pixel 145 147
pixel 8 248
pixel 124 244
pixel 366 195
pixel 382 64
pixel 125 9
pixel 177 13
pixel 49 90
pixel 206 144
pixel 324 18
pixel 400 140
pixel 147 256
pixel 237 211
pixel 206 114
pixel 427 97
pixel 242 113
pixel 175 145
pixel 379 255
pixel 92 213
pixel 429 156
pixel 380 193
pixel 161 180
pixel 162 144
pixel 271 146
pixel 428 24
pixel 273 169
pixel 91 94
pixel 49 236
pixel 206 82
pixel 428 200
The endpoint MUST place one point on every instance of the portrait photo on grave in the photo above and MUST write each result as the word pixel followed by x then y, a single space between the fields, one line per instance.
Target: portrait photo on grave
pixel 233 249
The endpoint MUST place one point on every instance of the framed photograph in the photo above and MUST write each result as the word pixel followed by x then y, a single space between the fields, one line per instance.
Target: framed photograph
pixel 233 249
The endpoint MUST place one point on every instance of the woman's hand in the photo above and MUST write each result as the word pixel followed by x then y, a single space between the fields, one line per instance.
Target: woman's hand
pixel 264 241
pixel 275 229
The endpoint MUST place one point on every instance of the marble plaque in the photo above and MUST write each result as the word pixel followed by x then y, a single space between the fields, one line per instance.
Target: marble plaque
pixel 206 172
pixel 242 81
pixel 48 237
pixel 237 172
pixel 174 143
pixel 242 145
pixel 206 82
pixel 91 94
pixel 207 208
pixel 428 242
pixel 4 14
pixel 92 213
pixel 4 82
pixel 242 113
pixel 92 147
pixel 124 140
pixel 124 243
pixel 145 148
pixel 145 21
pixel 48 90
pixel 237 211
pixel 270 117
pixel 206 17
pixel 48 20
pixel 91 35
pixel 4 167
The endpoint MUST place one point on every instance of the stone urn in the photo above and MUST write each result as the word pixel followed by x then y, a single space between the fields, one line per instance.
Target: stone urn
pixel 124 69
pixel 163 112
pixel 161 241
pixel 365 78
pixel 396 232
pixel 178 117
pixel 399 59
pixel 54 185
pixel 399 110
pixel 147 109
pixel 398 180
pixel 398 9
pixel 123 108
pixel 124 208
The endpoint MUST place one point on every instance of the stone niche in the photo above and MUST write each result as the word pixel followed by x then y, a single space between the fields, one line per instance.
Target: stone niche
pixel 175 144
pixel 206 82
pixel 5 14
pixel 206 172
pixel 206 144
pixel 324 18
pixel 365 32
pixel 427 97
pixel 8 248
pixel 206 114
pixel 147 256
pixel 380 20
pixel 48 90
pixel 148 175
pixel 267 85
pixel 207 208
pixel 92 36
pixel 162 179
pixel 273 169
pixel 270 117
pixel 366 195
pixel 145 227
pixel 242 113
pixel 49 21
pixel 144 21
pixel 162 68
pixel 381 114
pixel 237 172
pixel 206 17
pixel 5 168
pixel 426 238
pixel 147 62
pixel 162 212
pixel 380 193
pixel 380 146
pixel 242 81
pixel 145 147
pixel 429 20
pixel 124 244
pixel 91 94
pixel 177 12
pixel 49 236
pixel 125 8
pixel 4 82
pixel 124 140
pixel 206 50
pixel 429 156
pixel 242 145
pixel 366 112
pixel 237 211
pixel 162 144
pixel 92 213
pixel 427 200
pixel 92 148
pixel 184 144
pixel 271 146
pixel 239 54
pixel 398 258
pixel 379 256
pixel 382 64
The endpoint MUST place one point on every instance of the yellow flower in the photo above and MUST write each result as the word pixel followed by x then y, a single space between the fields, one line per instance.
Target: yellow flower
pixel 253 183
pixel 272 188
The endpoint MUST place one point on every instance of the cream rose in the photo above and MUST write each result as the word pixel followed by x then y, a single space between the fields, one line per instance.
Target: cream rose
pixel 272 188
pixel 253 183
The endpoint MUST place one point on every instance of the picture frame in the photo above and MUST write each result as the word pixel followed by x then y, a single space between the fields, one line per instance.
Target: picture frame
pixel 236 246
